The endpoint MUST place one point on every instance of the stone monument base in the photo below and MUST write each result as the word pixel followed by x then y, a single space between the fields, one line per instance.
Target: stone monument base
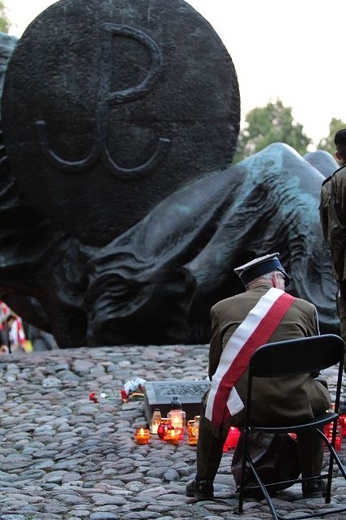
pixel 159 394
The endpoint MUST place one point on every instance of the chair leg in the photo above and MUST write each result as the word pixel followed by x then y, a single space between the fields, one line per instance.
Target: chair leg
pixel 276 516
pixel 333 452
pixel 333 458
pixel 264 491
pixel 337 460
pixel 243 469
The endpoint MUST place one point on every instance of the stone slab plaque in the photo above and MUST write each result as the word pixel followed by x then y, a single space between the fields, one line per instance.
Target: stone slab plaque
pixel 159 394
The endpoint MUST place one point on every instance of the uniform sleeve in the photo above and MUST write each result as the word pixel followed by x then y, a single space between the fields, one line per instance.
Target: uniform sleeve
pixel 324 207
pixel 313 328
pixel 215 350
pixel 340 199
pixel 338 225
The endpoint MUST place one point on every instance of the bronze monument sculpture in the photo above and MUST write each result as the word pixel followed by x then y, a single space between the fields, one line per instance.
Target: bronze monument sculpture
pixel 121 215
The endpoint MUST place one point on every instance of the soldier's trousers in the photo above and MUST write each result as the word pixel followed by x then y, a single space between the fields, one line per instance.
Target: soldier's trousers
pixel 341 307
pixel 209 451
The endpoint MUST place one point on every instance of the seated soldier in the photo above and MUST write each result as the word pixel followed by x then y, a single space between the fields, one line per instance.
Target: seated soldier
pixel 243 323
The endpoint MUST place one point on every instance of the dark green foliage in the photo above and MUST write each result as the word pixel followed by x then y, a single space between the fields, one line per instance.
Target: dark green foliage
pixel 270 124
pixel 4 21
pixel 327 143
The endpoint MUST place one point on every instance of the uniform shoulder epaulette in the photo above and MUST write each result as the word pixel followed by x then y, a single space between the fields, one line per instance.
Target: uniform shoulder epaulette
pixel 327 179
pixel 342 167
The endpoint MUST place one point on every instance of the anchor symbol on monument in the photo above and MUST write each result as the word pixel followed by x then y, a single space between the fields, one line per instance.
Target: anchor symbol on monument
pixel 107 99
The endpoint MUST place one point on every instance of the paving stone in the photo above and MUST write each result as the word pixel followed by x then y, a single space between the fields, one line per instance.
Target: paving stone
pixel 63 457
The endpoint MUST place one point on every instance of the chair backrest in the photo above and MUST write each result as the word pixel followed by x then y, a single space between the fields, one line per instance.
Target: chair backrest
pixel 297 356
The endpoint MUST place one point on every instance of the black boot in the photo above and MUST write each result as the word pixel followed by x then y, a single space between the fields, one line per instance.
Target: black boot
pixel 203 489
pixel 315 488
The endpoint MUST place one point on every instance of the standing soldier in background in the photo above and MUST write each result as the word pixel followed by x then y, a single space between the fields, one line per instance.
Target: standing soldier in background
pixel 333 221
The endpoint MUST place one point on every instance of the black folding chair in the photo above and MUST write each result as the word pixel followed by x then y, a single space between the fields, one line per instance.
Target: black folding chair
pixel 285 358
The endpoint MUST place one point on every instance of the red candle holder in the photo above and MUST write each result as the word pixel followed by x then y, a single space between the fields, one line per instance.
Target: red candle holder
pixel 172 436
pixel 338 442
pixel 192 432
pixel 180 432
pixel 232 438
pixel 163 427
pixel 328 432
pixel 142 436
pixel 342 422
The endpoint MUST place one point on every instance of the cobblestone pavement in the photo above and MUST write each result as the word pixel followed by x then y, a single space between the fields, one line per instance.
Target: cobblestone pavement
pixel 63 457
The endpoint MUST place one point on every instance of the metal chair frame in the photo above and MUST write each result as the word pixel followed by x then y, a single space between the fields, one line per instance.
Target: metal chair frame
pixel 299 356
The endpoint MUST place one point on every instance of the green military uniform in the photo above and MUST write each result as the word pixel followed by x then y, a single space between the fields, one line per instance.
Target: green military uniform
pixel 276 398
pixel 333 222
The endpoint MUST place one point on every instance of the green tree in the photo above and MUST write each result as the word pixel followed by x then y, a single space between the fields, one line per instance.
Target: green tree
pixel 327 143
pixel 4 21
pixel 273 123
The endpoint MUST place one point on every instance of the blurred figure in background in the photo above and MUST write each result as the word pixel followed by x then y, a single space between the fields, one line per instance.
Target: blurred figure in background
pixel 16 334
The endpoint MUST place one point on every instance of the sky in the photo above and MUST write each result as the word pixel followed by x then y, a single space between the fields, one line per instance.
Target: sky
pixel 292 51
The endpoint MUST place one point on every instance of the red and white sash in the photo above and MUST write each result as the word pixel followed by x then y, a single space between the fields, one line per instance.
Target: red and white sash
pixel 223 400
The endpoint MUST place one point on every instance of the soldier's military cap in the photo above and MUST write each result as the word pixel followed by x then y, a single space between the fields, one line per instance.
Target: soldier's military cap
pixel 260 266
